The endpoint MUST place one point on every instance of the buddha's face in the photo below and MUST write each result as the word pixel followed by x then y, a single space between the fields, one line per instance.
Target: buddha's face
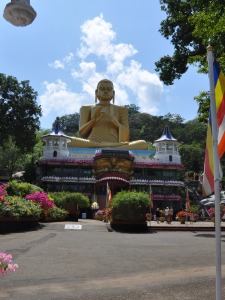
pixel 105 90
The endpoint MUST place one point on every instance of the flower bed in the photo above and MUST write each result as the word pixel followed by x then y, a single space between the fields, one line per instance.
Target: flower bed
pixel 31 207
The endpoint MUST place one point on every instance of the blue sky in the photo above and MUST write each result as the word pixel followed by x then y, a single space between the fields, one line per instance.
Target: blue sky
pixel 72 44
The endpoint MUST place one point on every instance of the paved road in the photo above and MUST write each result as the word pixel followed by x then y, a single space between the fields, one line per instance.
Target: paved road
pixel 92 263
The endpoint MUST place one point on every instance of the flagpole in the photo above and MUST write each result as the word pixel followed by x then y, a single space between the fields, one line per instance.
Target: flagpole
pixel 216 172
pixel 150 194
pixel 106 202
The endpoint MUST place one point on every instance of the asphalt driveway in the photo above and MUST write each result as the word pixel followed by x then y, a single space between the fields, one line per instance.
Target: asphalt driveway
pixel 89 262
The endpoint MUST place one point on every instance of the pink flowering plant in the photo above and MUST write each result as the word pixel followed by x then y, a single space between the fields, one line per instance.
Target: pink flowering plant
pixel 6 263
pixel 211 211
pixel 3 192
pixel 99 215
pixel 42 199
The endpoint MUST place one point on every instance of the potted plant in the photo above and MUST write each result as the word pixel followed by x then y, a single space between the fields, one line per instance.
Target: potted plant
pixel 182 215
pixel 57 214
pixel 194 209
pixel 129 209
pixel 71 202
pixel 162 217
pixel 148 217
pixel 211 212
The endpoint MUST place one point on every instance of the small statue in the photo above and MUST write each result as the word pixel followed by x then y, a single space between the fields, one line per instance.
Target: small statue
pixel 105 125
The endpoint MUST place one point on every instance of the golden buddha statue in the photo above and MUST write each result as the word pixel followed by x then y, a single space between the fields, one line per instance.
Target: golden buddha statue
pixel 105 125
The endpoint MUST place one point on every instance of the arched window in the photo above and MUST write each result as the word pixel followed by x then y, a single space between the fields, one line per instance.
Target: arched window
pixel 55 154
pixel 170 158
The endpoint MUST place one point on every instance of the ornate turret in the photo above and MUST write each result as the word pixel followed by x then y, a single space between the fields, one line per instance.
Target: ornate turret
pixel 167 147
pixel 56 142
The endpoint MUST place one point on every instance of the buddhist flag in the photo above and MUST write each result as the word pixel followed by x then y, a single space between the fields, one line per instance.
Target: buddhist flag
pixel 109 195
pixel 219 81
pixel 208 176
pixel 219 90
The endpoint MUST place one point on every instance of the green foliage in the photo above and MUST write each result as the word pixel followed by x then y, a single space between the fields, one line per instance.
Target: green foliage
pixel 191 26
pixel 15 206
pixel 70 124
pixel 68 200
pixel 194 209
pixel 203 100
pixel 19 113
pixel 192 157
pixel 15 188
pixel 131 198
pixel 11 157
pixel 132 109
pixel 194 133
pixel 57 213
pixel 130 206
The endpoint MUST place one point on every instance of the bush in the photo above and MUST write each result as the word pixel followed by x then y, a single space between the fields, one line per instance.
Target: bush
pixel 41 199
pixel 15 188
pixel 130 206
pixel 14 206
pixel 57 213
pixel 69 200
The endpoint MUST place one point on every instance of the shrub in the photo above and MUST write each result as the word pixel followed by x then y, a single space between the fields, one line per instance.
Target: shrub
pixel 15 188
pixel 68 200
pixel 130 206
pixel 14 206
pixel 42 199
pixel 57 213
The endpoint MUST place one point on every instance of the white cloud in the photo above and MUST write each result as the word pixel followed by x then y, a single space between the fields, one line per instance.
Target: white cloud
pixel 57 64
pixel 58 98
pixel 146 86
pixel 60 64
pixel 100 56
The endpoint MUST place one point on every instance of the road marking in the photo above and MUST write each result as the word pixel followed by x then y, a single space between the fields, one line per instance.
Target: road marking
pixel 73 226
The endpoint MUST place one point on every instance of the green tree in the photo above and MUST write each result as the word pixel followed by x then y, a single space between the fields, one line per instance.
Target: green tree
pixel 191 25
pixel 132 109
pixel 32 158
pixel 203 100
pixel 194 132
pixel 70 124
pixel 11 157
pixel 19 112
pixel 192 157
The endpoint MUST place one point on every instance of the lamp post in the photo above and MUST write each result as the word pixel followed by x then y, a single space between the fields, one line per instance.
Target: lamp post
pixel 19 13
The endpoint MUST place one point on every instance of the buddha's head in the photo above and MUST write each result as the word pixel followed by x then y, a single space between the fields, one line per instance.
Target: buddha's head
pixel 104 91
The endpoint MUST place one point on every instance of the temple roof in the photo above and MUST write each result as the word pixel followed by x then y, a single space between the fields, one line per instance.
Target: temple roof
pixel 166 136
pixel 56 131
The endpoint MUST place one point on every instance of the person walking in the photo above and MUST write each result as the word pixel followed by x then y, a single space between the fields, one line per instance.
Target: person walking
pixel 166 214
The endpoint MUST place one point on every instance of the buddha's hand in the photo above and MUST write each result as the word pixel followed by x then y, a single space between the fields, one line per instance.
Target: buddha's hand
pixel 114 120
pixel 97 114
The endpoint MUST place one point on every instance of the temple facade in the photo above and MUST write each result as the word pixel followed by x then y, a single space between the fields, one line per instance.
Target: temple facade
pixel 89 170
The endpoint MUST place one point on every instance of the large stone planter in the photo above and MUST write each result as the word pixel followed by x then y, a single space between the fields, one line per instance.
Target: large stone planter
pixel 74 215
pixel 11 224
pixel 182 220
